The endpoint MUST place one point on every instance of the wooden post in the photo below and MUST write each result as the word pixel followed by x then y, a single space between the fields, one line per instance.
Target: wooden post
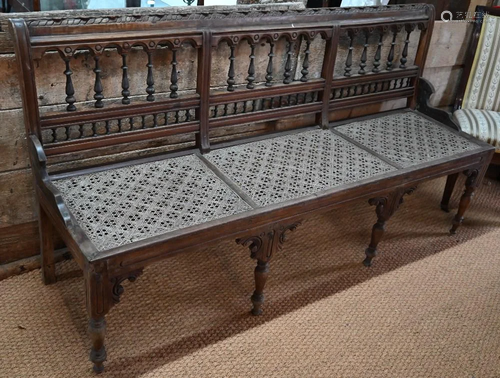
pixel 327 74
pixel 203 89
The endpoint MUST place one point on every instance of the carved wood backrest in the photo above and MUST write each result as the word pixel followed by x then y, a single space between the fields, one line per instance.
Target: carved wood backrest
pixel 316 61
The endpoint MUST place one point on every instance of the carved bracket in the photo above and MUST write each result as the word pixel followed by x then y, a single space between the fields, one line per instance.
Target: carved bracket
pixel 118 289
pixel 472 176
pixel 387 205
pixel 265 244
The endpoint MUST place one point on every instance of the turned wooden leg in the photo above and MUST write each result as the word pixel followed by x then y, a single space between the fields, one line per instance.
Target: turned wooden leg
pixel 377 233
pixel 385 208
pixel 261 273
pixel 470 186
pixel 448 191
pixel 46 247
pixel 262 247
pixel 97 331
pixel 99 300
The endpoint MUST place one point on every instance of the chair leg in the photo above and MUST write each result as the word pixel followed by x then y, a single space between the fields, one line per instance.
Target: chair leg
pixel 385 208
pixel 448 192
pixel 46 247
pixel 261 273
pixel 470 187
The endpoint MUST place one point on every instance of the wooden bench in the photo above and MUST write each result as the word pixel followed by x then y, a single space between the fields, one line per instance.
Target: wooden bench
pixel 118 217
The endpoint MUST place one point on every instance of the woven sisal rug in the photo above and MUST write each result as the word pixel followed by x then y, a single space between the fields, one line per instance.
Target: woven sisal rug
pixel 429 307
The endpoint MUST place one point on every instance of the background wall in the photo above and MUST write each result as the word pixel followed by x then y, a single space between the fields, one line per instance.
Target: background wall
pixel 18 225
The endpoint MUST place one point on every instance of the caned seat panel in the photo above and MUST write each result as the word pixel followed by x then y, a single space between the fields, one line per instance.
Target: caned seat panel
pixel 119 206
pixel 292 166
pixel 406 138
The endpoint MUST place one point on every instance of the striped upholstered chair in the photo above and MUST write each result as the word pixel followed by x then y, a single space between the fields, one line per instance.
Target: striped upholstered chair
pixel 477 108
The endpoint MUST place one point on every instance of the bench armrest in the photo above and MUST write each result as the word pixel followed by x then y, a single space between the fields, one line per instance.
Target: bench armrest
pixel 425 91
pixel 43 181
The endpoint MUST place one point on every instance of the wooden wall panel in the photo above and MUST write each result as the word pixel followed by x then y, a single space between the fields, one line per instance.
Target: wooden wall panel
pixel 9 83
pixel 445 81
pixel 13 147
pixel 17 199
pixel 19 242
pixel 449 44
pixel 440 5
pixel 446 59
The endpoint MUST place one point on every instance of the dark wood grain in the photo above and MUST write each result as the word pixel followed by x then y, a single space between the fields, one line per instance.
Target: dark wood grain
pixel 47 248
pixel 448 192
pixel 327 72
pixel 203 89
pixel 21 242
pixel 470 187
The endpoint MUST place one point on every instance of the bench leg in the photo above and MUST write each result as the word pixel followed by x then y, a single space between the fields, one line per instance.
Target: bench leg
pixel 97 331
pixel 448 191
pixel 98 293
pixel 261 273
pixel 385 208
pixel 470 186
pixel 46 247
pixel 262 247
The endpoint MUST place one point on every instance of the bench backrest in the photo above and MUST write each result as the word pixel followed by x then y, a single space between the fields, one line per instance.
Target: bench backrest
pixel 480 85
pixel 159 75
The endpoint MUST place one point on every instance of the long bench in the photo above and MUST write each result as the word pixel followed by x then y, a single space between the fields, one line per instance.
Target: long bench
pixel 119 216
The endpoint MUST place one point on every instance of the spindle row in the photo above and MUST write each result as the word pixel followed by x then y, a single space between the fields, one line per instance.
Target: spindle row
pixel 95 129
pixel 270 79
pixel 379 33
pixel 125 82
pixel 264 103
pixel 370 88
